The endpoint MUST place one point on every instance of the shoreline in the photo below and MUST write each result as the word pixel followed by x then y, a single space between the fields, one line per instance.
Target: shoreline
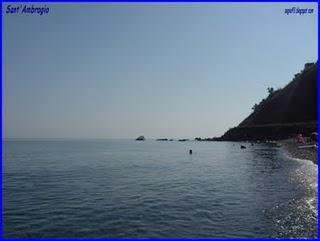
pixel 294 150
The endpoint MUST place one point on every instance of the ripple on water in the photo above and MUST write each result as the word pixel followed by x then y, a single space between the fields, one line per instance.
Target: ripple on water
pixel 127 189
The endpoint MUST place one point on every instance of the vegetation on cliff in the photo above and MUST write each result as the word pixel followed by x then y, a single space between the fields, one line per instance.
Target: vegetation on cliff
pixel 284 113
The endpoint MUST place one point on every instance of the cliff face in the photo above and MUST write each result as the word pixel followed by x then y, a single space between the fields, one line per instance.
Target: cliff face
pixel 284 112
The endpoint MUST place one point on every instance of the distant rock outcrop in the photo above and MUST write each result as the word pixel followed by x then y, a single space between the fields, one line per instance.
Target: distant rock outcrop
pixel 284 113
pixel 183 140
pixel 141 138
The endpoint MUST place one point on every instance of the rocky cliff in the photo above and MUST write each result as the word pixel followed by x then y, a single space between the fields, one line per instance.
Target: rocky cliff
pixel 284 113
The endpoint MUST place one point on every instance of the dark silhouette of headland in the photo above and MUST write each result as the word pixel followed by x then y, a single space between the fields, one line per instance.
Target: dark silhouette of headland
pixel 284 113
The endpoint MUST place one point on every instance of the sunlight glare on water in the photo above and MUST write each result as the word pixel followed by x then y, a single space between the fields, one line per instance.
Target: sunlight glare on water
pixel 124 188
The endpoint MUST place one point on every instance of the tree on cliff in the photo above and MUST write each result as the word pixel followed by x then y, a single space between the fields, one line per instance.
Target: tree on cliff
pixel 270 90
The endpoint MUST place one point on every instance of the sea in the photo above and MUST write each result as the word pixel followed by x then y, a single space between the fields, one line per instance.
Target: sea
pixel 109 188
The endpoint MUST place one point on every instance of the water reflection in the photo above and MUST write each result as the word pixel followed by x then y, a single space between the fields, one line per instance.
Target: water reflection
pixel 296 215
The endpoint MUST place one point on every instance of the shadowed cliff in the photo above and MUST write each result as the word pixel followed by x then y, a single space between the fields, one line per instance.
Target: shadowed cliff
pixel 284 113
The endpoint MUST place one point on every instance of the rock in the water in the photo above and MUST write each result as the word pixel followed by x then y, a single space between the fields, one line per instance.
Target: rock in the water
pixel 162 139
pixel 140 138
pixel 183 140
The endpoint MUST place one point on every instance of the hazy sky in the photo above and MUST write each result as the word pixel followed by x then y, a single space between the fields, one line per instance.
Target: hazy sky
pixel 155 69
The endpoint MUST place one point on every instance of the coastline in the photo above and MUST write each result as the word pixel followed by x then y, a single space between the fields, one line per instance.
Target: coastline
pixel 295 151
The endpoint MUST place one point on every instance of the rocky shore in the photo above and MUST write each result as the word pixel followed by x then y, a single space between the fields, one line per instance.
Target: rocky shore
pixel 299 150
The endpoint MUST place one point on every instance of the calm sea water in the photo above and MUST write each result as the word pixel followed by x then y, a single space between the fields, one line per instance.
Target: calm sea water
pixel 124 188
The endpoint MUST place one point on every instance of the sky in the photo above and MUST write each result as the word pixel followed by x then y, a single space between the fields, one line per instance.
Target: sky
pixel 162 70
